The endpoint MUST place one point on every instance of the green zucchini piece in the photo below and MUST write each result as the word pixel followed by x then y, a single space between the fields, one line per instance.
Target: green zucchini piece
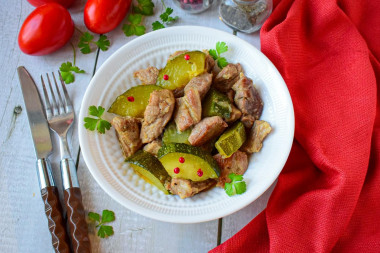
pixel 173 135
pixel 133 102
pixel 150 169
pixel 231 140
pixel 180 71
pixel 189 160
pixel 216 104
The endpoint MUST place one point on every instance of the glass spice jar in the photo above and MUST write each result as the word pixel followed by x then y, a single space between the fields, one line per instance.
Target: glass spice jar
pixel 194 6
pixel 245 15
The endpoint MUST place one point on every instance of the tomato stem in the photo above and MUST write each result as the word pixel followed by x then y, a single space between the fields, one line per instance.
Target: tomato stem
pixel 163 4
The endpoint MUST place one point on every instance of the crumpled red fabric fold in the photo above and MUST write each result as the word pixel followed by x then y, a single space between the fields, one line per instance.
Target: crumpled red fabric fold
pixel 327 198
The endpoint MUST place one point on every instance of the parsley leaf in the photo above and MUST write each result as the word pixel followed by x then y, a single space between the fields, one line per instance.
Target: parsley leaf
pixel 103 43
pixel 84 43
pixel 144 7
pixel 87 39
pixel 66 70
pixel 221 47
pixel 107 216
pixel 166 19
pixel 157 25
pixel 94 216
pixel 105 231
pixel 237 185
pixel 96 123
pixel 134 27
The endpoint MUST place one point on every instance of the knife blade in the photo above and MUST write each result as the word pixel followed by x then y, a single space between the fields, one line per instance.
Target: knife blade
pixel 43 147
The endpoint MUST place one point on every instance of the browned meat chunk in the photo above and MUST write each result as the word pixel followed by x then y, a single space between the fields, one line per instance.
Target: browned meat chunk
pixel 255 138
pixel 237 163
pixel 175 54
pixel 153 147
pixel 179 92
pixel 147 76
pixel 235 114
pixel 186 188
pixel 202 83
pixel 210 63
pixel 248 100
pixel 230 94
pixel 189 110
pixel 157 114
pixel 226 78
pixel 206 130
pixel 128 133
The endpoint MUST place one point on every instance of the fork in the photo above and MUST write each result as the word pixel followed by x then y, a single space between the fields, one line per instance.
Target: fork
pixel 60 116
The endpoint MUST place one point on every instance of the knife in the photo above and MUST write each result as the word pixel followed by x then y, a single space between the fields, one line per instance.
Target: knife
pixel 42 144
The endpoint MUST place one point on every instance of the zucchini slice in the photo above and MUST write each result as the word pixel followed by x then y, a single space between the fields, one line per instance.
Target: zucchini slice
pixel 180 71
pixel 216 104
pixel 150 169
pixel 133 102
pixel 173 135
pixel 185 161
pixel 231 140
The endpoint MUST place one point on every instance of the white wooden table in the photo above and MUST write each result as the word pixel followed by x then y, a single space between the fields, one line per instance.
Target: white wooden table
pixel 23 225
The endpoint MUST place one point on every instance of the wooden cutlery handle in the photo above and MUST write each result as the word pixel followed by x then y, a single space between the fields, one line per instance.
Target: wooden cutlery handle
pixel 77 220
pixel 56 222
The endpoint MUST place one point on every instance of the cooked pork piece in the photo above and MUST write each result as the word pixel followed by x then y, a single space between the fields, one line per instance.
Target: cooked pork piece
pixel 210 63
pixel 237 163
pixel 186 188
pixel 148 75
pixel 202 83
pixel 226 78
pixel 255 138
pixel 248 100
pixel 189 110
pixel 176 53
pixel 179 92
pixel 182 115
pixel 193 103
pixel 157 114
pixel 235 114
pixel 153 147
pixel 207 129
pixel 128 133
pixel 231 95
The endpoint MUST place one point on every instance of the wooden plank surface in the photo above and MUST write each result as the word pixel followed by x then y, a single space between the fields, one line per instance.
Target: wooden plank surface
pixel 23 223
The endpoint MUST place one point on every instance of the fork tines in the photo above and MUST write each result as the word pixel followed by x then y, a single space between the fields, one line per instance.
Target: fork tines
pixel 55 106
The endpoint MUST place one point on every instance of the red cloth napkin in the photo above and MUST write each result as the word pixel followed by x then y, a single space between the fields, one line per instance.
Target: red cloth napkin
pixel 327 198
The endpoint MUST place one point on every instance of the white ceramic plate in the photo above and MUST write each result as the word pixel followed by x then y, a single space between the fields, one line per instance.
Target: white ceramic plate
pixel 102 153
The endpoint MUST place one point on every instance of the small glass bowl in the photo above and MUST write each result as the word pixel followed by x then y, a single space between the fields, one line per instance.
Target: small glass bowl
pixel 193 6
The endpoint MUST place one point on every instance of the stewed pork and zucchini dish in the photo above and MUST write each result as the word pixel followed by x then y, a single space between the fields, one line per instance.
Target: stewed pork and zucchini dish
pixel 189 125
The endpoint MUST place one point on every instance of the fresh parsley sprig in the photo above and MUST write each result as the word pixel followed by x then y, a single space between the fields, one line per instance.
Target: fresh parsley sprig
pixel 107 216
pixel 134 27
pixel 97 123
pixel 165 18
pixel 87 39
pixel 67 69
pixel 221 47
pixel 237 185
pixel 144 7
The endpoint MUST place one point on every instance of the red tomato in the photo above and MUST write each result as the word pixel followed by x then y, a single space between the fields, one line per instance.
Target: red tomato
pixel 102 16
pixel 48 28
pixel 64 3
